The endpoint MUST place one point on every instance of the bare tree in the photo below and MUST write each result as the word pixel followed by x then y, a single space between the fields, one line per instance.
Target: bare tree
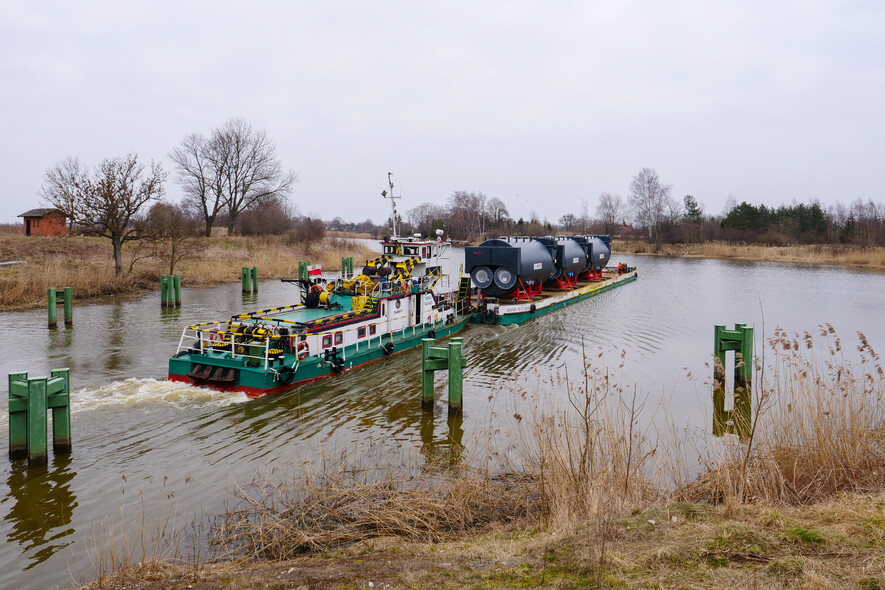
pixel 425 216
pixel 467 213
pixel 650 200
pixel 174 230
pixel 612 211
pixel 497 211
pixel 568 221
pixel 233 170
pixel 106 202
pixel 200 171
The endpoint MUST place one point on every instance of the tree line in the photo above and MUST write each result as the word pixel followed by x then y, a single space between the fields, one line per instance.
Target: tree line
pixel 650 212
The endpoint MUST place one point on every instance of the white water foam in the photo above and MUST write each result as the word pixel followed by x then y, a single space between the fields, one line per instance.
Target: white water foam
pixel 143 393
pixel 151 392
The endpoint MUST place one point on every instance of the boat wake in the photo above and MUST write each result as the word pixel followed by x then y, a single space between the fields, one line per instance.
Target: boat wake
pixel 146 393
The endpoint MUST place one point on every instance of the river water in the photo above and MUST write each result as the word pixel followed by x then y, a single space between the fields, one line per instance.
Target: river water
pixel 144 449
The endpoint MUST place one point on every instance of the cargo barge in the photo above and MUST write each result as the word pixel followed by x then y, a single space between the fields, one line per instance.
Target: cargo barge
pixel 518 278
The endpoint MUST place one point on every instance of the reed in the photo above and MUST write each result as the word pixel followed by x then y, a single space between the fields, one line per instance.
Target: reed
pixel 873 257
pixel 818 426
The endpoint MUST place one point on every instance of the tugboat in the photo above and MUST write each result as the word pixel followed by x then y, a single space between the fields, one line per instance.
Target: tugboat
pixel 340 323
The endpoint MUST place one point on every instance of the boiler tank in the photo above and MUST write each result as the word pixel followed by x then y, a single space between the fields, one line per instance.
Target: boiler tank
pixel 497 266
pixel 598 250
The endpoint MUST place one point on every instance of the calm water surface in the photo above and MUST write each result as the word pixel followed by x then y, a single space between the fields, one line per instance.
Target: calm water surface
pixel 144 448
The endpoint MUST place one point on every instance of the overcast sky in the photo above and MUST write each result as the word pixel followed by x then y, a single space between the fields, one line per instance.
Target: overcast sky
pixel 542 104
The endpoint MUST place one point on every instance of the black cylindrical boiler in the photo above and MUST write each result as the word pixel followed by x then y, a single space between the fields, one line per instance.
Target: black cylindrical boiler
pixel 497 266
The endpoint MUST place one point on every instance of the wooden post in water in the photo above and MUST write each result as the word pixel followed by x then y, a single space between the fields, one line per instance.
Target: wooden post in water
pixel 247 279
pixel 254 276
pixel 164 290
pixel 738 420
pixel 29 400
pixel 177 283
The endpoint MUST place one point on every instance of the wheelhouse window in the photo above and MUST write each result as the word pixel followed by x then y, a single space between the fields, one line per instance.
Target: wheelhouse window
pixel 371 329
pixel 361 332
pixel 327 340
pixel 339 337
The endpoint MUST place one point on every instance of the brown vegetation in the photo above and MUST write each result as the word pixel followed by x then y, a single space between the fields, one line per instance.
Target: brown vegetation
pixel 85 264
pixel 871 257
pixel 586 496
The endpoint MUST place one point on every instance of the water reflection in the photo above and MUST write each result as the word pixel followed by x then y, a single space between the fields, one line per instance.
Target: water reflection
pixel 43 503
pixel 448 450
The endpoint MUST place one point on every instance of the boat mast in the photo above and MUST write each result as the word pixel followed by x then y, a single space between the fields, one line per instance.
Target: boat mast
pixel 392 204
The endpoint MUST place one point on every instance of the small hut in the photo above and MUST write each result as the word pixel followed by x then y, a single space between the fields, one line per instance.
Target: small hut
pixel 44 222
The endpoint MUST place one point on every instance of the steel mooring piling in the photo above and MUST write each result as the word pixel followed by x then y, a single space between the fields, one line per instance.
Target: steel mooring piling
pixel 435 358
pixel 250 279
pixel 66 300
pixel 740 341
pixel 170 290
pixel 177 283
pixel 347 267
pixel 29 401
pixel 303 273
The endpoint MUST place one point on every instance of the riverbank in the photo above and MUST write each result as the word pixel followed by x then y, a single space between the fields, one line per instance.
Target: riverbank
pixel 86 264
pixel 582 493
pixel 807 254
pixel 835 544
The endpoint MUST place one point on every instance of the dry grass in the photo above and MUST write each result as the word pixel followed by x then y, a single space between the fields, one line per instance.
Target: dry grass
pixel 808 254
pixel 323 510
pixel 85 264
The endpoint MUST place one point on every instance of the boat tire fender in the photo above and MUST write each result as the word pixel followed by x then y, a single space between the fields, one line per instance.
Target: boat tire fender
pixel 532 308
pixel 387 348
pixel 432 334
pixel 286 374
pixel 489 317
pixel 337 364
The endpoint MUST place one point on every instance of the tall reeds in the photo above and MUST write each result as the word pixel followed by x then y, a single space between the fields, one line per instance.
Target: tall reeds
pixel 818 425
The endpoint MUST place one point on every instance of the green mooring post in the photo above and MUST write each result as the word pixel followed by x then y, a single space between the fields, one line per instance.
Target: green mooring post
pixel 737 420
pixel 67 300
pixel 29 400
pixel 435 358
pixel 52 299
pixel 69 305
pixel 254 275
pixel 164 290
pixel 176 280
pixel 303 273
pixel 247 279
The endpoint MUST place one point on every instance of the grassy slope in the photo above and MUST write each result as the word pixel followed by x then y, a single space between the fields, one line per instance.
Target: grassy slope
pixel 838 544
pixel 86 265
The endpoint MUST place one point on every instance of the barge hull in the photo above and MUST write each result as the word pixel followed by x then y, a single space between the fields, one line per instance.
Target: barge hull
pixel 517 313
pixel 256 382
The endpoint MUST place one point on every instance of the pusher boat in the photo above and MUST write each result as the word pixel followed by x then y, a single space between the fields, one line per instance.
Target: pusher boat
pixel 341 322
